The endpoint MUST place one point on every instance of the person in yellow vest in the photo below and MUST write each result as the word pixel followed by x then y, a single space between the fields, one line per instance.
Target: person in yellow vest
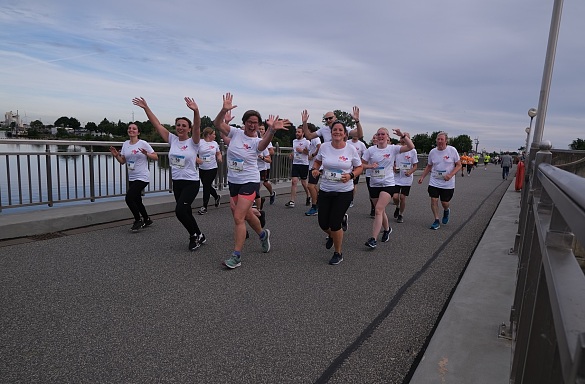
pixel 486 161
pixel 476 159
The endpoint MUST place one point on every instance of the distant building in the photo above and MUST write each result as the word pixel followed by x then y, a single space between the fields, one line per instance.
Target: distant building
pixel 10 117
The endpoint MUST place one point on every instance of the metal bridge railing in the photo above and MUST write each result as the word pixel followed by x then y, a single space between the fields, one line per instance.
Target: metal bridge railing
pixel 548 314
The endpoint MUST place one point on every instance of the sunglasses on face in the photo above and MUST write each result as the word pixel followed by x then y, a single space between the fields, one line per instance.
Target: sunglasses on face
pixel 327 118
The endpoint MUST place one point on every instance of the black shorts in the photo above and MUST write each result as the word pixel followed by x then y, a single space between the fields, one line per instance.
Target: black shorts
pixel 375 191
pixel 264 175
pixel 403 189
pixel 300 170
pixel 246 189
pixel 312 179
pixel 445 194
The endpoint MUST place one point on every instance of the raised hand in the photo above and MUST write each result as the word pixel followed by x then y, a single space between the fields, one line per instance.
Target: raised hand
pixel 356 113
pixel 228 99
pixel 140 102
pixel 305 116
pixel 191 104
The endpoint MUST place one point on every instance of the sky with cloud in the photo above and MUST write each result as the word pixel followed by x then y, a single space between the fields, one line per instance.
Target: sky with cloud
pixel 465 67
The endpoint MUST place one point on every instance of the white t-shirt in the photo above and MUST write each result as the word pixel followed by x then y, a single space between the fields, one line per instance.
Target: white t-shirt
pixel 315 143
pixel 242 155
pixel 443 162
pixel 262 165
pixel 136 161
pixel 334 163
pixel 269 147
pixel 207 153
pixel 183 158
pixel 300 157
pixel 359 145
pixel 383 175
pixel 404 163
pixel 325 133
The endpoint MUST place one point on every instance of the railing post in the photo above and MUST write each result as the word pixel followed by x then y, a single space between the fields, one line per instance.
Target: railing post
pixel 49 175
pixel 91 175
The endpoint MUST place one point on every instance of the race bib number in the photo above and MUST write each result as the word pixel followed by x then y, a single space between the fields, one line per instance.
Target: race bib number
pixel 298 156
pixel 332 174
pixel 439 175
pixel 236 165
pixel 405 166
pixel 177 161
pixel 206 159
pixel 130 165
pixel 379 172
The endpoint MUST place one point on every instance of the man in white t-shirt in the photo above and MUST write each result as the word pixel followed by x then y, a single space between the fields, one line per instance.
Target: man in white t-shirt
pixel 300 165
pixel 443 164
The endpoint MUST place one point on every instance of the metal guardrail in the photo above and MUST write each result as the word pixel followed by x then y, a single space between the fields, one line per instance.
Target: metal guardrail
pixel 85 170
pixel 548 314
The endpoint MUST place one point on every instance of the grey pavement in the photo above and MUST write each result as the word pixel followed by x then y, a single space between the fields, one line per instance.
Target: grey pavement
pixel 103 304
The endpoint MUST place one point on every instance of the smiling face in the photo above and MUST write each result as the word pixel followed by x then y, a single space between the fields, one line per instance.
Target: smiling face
pixel 338 132
pixel 299 133
pixel 182 126
pixel 329 119
pixel 133 130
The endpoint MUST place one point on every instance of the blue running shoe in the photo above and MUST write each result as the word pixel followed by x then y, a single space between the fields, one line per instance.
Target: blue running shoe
pixel 435 225
pixel 446 213
pixel 312 212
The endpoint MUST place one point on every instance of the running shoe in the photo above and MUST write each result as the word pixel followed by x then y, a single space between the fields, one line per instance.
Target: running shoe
pixel 272 197
pixel 290 204
pixel 217 199
pixel 194 242
pixel 136 226
pixel 202 211
pixel 146 223
pixel 351 204
pixel 344 222
pixel 400 219
pixel 233 262
pixel 336 259
pixel 312 212
pixel 435 225
pixel 265 241
pixel 329 242
pixel 201 239
pixel 372 243
pixel 386 235
pixel 446 213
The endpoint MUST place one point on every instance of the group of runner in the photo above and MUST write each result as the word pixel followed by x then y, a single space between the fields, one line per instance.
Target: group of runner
pixel 328 162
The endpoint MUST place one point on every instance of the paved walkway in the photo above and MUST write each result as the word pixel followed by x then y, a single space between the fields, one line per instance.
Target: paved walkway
pixel 103 304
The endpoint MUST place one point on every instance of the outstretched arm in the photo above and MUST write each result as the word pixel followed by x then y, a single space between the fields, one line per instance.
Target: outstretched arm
pixel 358 131
pixel 308 134
pixel 219 121
pixel 196 128
pixel 162 131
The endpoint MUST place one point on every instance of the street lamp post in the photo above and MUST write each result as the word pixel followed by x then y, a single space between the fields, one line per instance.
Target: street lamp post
pixel 532 112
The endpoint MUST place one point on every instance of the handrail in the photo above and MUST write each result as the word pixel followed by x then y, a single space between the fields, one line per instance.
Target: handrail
pixel 548 315
pixel 46 177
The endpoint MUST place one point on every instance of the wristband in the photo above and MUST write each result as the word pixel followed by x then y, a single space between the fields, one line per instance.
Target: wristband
pixel 351 175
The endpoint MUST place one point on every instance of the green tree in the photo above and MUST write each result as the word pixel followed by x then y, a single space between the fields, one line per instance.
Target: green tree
pixel 578 144
pixel 345 118
pixel 37 124
pixel 462 143
pixel 91 126
pixel 63 121
pixel 206 122
pixel 422 142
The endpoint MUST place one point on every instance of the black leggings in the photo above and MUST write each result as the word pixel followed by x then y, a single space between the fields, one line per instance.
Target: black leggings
pixel 332 207
pixel 207 177
pixel 185 192
pixel 134 199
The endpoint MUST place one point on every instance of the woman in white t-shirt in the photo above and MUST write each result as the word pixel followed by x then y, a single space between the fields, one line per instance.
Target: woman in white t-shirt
pixel 379 159
pixel 209 156
pixel 182 158
pixel 135 153
pixel 341 164
pixel 243 175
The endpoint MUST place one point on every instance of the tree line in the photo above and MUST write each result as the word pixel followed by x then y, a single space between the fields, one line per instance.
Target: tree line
pixel 423 142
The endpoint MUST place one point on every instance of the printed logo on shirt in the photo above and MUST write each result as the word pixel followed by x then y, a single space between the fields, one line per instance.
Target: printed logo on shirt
pixel 184 147
pixel 446 157
pixel 343 158
pixel 386 155
pixel 134 151
pixel 408 157
pixel 246 146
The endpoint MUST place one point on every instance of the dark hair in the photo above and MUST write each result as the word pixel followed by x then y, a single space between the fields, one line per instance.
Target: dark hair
pixel 251 113
pixel 184 118
pixel 345 133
